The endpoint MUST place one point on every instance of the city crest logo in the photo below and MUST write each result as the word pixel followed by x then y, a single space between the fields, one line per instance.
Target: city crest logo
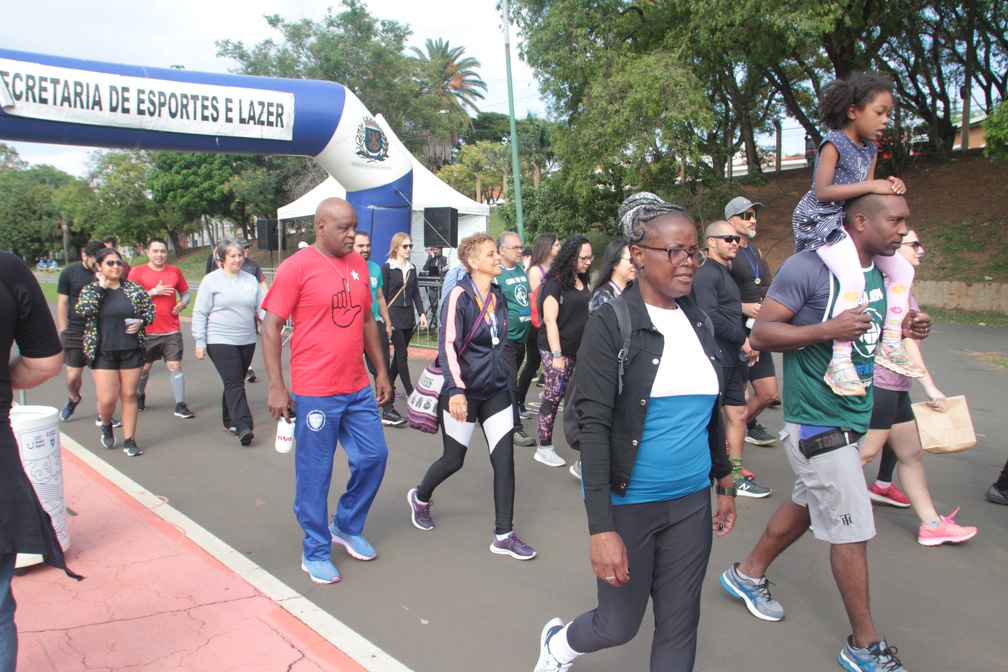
pixel 372 144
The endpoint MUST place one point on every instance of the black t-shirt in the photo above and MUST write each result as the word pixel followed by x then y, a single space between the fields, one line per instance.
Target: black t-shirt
pixel 571 318
pixel 746 267
pixel 72 280
pixel 112 313
pixel 251 266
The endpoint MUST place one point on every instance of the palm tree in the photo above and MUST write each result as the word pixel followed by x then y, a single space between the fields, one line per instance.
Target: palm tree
pixel 451 79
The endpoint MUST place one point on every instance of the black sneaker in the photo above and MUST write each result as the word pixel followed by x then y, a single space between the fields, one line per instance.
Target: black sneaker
pixel 115 423
pixel 775 403
pixel 996 495
pixel 182 411
pixel 250 376
pixel 141 402
pixel 758 436
pixel 541 381
pixel 245 437
pixel 69 408
pixel 130 447
pixel 392 417
pixel 107 436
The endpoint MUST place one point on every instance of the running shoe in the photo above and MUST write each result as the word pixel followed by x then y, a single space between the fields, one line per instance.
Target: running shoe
pixel 399 396
pixel 748 474
pixel 115 423
pixel 420 511
pixel 250 376
pixel 523 439
pixel 233 431
pixel 891 495
pixel 523 413
pixel 755 594
pixel 357 546
pixel 775 403
pixel 758 436
pixel 547 663
pixel 182 411
pixel 320 571
pixel 747 487
pixel 513 546
pixel 897 359
pixel 392 418
pixel 141 402
pixel 844 380
pixel 996 495
pixel 946 533
pixel 107 436
pixel 69 408
pixel 541 381
pixel 575 470
pixel 131 448
pixel 245 437
pixel 547 455
pixel 879 657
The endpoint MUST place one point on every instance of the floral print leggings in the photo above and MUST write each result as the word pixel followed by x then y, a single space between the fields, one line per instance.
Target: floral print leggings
pixel 553 393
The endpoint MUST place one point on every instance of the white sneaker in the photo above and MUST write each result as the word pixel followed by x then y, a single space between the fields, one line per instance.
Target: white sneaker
pixel 548 456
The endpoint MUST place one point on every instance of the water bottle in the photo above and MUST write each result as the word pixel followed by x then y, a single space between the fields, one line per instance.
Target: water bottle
pixel 285 434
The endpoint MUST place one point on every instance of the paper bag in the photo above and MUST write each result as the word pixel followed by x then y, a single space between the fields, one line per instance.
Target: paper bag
pixel 949 430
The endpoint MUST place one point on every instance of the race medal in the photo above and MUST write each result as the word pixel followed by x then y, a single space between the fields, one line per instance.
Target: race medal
pixel 495 340
pixel 757 281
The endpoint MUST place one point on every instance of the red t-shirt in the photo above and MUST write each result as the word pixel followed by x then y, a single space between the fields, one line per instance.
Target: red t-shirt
pixel 328 343
pixel 166 322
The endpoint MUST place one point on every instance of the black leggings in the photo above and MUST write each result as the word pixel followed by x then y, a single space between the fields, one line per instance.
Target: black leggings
pixel 532 363
pixel 399 366
pixel 494 416
pixel 232 361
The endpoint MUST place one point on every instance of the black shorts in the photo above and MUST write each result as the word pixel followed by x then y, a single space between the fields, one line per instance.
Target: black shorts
pixel 890 408
pixel 117 360
pixel 73 349
pixel 734 386
pixel 164 346
pixel 764 368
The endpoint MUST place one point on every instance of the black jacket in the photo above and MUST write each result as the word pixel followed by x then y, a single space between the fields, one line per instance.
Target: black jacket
pixel 480 371
pixel 715 293
pixel 611 423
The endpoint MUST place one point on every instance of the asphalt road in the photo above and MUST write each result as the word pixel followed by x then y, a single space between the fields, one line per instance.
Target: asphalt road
pixel 441 602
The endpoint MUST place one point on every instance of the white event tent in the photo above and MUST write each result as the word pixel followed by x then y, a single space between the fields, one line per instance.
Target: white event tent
pixel 428 192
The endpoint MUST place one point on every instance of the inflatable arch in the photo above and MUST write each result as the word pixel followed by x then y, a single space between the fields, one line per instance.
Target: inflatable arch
pixel 77 102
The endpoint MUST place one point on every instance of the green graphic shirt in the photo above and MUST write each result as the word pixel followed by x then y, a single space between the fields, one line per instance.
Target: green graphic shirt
pixel 515 285
pixel 805 286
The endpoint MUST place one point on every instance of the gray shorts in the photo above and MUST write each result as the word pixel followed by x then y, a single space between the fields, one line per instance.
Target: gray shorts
pixel 832 486
pixel 164 346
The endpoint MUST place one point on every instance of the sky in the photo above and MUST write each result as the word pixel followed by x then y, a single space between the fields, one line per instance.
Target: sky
pixel 161 34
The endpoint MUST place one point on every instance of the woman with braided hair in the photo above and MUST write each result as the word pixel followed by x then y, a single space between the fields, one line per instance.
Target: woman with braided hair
pixel 652 442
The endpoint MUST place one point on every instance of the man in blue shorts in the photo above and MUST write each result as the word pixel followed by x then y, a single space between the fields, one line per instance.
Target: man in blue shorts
pixel 325 290
pixel 824 430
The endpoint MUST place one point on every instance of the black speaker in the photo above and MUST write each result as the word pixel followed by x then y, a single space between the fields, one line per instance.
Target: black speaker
pixel 266 233
pixel 440 227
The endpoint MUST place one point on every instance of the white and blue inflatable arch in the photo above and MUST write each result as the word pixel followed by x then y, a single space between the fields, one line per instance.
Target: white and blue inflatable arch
pixel 77 102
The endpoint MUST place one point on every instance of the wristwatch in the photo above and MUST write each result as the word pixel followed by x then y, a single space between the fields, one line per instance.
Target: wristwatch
pixel 721 490
pixel 557 353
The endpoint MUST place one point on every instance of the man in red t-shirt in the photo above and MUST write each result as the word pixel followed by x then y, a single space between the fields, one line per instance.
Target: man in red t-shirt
pixel 164 337
pixel 325 291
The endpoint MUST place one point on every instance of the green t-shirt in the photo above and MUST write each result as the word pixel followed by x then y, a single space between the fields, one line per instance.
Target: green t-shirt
pixel 806 287
pixel 515 285
pixel 374 270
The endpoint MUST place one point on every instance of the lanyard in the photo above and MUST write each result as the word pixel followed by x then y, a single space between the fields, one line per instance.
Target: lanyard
pixel 616 288
pixel 490 316
pixel 754 265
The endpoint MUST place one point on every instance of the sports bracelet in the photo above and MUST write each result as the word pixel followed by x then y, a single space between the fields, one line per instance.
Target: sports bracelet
pixel 721 490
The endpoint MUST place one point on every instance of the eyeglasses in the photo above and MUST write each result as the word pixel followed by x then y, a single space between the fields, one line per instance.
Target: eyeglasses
pixel 513 247
pixel 113 262
pixel 407 246
pixel 916 244
pixel 728 239
pixel 748 215
pixel 590 258
pixel 678 255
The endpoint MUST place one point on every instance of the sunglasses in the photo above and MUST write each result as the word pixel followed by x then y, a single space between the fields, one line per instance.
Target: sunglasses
pixel 113 262
pixel 408 246
pixel 748 216
pixel 728 239
pixel 916 244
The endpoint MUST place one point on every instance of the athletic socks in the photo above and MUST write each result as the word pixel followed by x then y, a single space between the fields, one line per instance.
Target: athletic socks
pixel 177 379
pixel 736 468
pixel 142 386
pixel 560 649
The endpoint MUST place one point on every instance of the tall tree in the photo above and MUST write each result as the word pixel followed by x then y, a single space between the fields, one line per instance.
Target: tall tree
pixel 125 208
pixel 28 221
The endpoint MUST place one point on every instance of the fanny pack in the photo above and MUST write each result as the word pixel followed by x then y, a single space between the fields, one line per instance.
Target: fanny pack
pixel 828 441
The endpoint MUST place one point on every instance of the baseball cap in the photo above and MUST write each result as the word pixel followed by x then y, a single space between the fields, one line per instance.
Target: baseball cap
pixel 242 242
pixel 738 205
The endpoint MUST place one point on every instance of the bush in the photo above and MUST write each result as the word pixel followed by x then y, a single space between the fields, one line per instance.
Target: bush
pixel 996 133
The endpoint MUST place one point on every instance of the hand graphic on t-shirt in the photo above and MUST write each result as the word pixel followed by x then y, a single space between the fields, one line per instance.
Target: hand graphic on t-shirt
pixel 344 310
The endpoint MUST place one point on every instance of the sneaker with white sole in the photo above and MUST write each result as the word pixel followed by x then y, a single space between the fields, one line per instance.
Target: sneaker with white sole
pixel 69 408
pixel 891 495
pixel 758 436
pixel 547 455
pixel 320 571
pixel 747 487
pixel 844 380
pixel 107 436
pixel 115 423
pixel 420 511
pixel 182 411
pixel 546 662
pixel 897 359
pixel 755 594
pixel 575 470
pixel 357 546
pixel 524 413
pixel 391 418
pixel 131 448
pixel 513 546
pixel 879 657
pixel 948 532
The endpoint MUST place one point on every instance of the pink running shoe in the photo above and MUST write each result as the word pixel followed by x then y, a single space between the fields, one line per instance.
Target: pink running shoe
pixel 947 532
pixel 891 495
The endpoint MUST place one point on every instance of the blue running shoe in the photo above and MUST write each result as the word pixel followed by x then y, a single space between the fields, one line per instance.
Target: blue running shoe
pixel 755 594
pixel 320 571
pixel 879 657
pixel 356 545
pixel 513 546
pixel 546 662
pixel 69 408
